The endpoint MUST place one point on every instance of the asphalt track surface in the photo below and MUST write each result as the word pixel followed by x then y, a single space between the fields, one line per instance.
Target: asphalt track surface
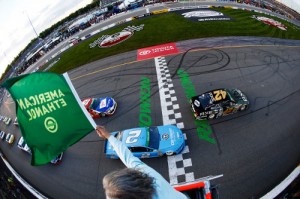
pixel 254 150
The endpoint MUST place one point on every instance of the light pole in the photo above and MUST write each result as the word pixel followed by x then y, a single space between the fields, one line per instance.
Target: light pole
pixel 31 24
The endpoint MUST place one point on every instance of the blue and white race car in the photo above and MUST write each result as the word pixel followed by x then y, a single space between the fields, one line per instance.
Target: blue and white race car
pixel 149 142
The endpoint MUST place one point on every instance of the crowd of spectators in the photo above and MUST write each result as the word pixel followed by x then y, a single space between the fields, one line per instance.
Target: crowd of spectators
pixel 274 6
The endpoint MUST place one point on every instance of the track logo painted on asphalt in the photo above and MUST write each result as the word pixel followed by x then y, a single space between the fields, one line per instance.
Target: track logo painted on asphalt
pixel 269 21
pixel 115 39
pixel 201 15
pixel 106 41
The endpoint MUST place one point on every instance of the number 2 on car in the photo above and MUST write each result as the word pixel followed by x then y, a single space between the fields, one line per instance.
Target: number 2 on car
pixel 133 135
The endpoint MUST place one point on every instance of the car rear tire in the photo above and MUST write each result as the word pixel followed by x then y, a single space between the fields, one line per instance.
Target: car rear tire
pixel 211 116
pixel 168 153
pixel 243 107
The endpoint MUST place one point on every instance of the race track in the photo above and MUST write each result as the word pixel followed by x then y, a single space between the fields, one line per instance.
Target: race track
pixel 254 150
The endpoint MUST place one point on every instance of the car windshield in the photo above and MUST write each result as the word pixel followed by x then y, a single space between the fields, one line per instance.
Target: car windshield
pixel 153 137
pixel 234 95
pixel 22 144
pixel 95 103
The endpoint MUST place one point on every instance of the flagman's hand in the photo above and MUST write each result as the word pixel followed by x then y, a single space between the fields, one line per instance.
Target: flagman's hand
pixel 102 132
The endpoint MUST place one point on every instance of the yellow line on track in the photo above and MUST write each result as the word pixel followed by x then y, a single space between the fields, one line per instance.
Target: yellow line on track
pixel 104 69
pixel 200 49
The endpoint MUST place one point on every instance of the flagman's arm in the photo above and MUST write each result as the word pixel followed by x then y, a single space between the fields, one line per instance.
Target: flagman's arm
pixel 123 152
pixel 162 187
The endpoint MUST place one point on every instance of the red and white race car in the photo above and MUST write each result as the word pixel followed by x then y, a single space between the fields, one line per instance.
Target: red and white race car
pixel 100 107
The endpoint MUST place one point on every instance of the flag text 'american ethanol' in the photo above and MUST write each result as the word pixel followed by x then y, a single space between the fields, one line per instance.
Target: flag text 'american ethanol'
pixel 41 104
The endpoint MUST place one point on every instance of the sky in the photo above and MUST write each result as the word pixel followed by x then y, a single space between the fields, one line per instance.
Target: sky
pixel 294 4
pixel 15 29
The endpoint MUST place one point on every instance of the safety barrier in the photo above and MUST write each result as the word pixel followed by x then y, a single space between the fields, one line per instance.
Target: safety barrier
pixel 32 190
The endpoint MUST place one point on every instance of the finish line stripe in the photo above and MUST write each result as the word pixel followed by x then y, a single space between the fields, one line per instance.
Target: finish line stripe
pixel 166 91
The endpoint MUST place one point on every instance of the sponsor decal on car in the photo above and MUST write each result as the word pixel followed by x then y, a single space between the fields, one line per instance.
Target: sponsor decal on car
pixel 203 15
pixel 271 22
pixel 172 136
pixel 102 103
pixel 156 51
pixel 165 136
pixel 110 40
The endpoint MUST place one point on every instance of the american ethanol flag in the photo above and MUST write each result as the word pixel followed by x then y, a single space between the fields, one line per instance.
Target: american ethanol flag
pixel 50 114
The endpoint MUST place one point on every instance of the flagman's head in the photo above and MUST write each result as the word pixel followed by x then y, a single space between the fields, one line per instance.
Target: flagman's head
pixel 128 184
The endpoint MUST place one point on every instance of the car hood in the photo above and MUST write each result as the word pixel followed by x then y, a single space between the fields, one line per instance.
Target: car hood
pixel 104 104
pixel 171 138
pixel 239 96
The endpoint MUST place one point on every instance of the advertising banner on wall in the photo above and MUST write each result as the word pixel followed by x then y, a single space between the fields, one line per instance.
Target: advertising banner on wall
pixel 106 41
pixel 157 51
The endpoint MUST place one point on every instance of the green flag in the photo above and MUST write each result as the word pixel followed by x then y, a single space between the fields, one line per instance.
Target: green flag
pixel 50 114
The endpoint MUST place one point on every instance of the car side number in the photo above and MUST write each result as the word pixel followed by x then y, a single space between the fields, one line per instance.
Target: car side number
pixel 219 95
pixel 133 136
pixel 229 110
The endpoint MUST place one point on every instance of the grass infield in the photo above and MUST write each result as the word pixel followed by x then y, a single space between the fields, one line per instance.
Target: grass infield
pixel 171 27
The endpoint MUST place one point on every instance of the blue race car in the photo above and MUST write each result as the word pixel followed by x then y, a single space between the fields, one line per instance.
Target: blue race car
pixel 149 142
pixel 100 107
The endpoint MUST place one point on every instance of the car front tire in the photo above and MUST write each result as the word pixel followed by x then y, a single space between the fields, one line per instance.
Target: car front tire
pixel 168 153
pixel 211 116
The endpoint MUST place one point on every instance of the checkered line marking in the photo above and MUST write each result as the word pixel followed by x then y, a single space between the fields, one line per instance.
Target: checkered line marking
pixel 178 164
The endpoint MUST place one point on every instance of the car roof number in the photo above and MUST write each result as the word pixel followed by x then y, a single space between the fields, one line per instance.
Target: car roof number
pixel 103 103
pixel 219 95
pixel 133 136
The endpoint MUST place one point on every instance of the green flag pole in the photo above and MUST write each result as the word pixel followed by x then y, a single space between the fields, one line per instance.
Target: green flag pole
pixel 88 116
